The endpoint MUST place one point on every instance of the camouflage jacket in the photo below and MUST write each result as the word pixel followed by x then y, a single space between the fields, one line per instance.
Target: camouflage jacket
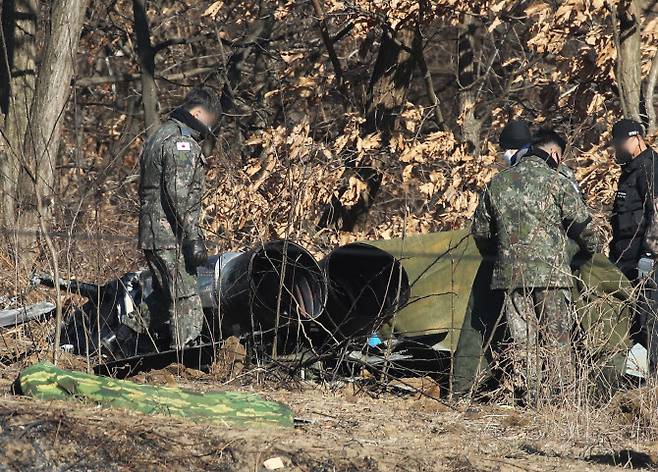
pixel 171 186
pixel 569 174
pixel 562 168
pixel 525 218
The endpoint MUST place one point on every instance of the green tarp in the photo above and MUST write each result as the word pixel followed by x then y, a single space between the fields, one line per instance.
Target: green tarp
pixel 441 268
pixel 47 382
pixel 450 296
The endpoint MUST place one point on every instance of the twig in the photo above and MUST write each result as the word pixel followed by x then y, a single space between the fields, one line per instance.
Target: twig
pixel 429 85
pixel 106 79
pixel 328 43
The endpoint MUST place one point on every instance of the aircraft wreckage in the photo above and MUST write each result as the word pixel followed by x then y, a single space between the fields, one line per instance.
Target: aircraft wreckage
pixel 421 303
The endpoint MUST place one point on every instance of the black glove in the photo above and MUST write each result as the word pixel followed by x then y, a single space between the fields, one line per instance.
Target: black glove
pixel 579 260
pixel 195 254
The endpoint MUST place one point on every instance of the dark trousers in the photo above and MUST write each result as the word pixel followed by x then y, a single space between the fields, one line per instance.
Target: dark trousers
pixel 645 323
pixel 644 328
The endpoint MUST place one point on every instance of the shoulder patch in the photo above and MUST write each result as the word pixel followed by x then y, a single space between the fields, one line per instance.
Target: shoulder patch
pixel 183 146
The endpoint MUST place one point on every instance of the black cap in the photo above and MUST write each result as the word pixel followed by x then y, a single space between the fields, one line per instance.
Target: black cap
pixel 624 129
pixel 515 135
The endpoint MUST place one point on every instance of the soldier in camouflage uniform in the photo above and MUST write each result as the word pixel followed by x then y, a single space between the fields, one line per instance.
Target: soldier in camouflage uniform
pixel 170 192
pixel 524 221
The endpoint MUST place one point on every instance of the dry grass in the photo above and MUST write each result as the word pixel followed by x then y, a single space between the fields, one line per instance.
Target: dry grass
pixel 342 431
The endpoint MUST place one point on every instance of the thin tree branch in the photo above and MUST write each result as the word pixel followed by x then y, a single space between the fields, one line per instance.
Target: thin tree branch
pixel 174 41
pixel 328 44
pixel 429 85
pixel 106 79
pixel 342 33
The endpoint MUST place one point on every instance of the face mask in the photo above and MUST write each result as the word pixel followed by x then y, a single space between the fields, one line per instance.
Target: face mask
pixel 623 157
pixel 508 155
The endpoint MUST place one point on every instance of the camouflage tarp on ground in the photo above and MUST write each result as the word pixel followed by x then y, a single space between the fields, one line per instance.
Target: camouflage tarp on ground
pixel 450 297
pixel 45 381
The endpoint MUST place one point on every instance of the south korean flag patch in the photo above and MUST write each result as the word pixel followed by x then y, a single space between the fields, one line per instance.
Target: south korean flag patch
pixel 183 146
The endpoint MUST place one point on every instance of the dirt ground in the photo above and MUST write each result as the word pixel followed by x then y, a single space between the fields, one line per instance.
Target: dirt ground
pixel 343 428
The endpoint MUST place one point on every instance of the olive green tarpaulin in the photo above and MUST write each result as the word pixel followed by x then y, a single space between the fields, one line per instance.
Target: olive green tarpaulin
pixel 450 296
pixel 47 382
pixel 441 268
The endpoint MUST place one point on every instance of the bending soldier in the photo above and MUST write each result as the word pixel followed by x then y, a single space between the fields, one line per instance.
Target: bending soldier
pixel 516 140
pixel 524 221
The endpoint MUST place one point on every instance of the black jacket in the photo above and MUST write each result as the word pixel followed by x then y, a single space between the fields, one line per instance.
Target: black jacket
pixel 634 212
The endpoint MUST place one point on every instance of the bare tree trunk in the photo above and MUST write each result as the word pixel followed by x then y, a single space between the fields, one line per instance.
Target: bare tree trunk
pixel 17 77
pixel 387 91
pixel 42 138
pixel 146 55
pixel 649 95
pixel 627 41
pixel 390 81
pixel 470 124
pixel 257 39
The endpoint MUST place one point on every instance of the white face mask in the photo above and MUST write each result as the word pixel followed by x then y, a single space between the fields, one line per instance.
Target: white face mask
pixel 508 155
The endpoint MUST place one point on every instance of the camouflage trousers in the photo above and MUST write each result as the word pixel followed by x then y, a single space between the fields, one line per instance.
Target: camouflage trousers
pixel 180 313
pixel 536 357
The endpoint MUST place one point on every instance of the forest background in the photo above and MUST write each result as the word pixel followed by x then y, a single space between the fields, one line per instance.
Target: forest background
pixel 343 120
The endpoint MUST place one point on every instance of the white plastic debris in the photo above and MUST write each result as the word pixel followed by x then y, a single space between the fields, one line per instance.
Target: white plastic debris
pixel 274 463
pixel 637 362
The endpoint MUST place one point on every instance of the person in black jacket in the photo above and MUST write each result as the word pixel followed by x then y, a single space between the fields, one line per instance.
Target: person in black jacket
pixel 634 244
pixel 634 225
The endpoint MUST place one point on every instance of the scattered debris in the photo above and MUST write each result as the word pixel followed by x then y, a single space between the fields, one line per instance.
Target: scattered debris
pixel 229 361
pixel 419 306
pixel 16 316
pixel 418 386
pixel 274 463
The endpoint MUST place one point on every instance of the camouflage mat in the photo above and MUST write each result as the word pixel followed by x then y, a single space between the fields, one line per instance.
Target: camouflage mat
pixel 47 382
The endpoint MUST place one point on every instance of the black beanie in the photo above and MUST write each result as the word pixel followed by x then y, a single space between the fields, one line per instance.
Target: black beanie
pixel 515 135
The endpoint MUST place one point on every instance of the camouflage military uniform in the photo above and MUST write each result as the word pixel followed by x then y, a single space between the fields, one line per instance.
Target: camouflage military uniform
pixel 566 171
pixel 171 188
pixel 525 220
pixel 563 169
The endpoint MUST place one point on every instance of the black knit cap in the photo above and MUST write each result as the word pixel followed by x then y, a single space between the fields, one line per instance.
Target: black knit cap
pixel 624 129
pixel 515 135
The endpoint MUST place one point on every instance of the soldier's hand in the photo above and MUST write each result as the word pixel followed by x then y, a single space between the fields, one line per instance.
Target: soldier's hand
pixel 195 253
pixel 579 260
